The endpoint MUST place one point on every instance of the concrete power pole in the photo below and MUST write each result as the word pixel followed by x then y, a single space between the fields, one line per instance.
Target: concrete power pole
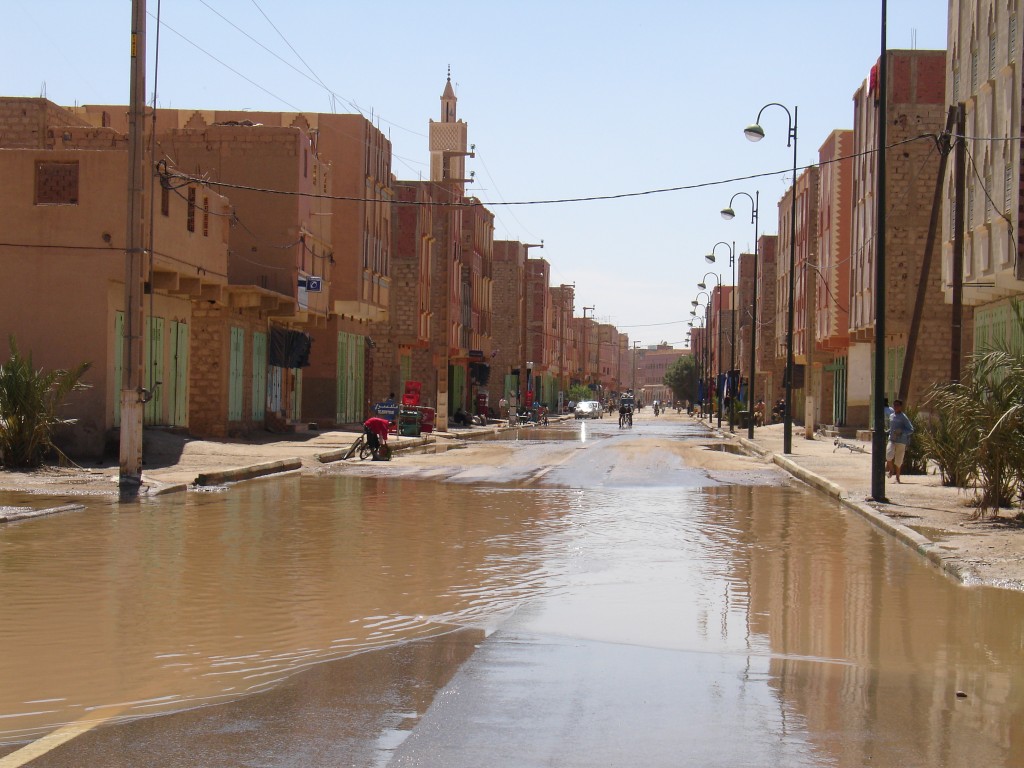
pixel 132 373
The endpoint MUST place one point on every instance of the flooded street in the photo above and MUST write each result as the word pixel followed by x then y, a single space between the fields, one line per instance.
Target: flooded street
pixel 604 598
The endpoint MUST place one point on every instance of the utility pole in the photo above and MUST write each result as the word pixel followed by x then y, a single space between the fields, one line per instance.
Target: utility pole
pixel 959 185
pixel 943 142
pixel 878 436
pixel 132 373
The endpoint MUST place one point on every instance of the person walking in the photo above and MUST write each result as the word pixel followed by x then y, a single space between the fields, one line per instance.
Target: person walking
pixel 900 430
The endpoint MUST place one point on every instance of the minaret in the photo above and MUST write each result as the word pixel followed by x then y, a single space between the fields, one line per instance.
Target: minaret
pixel 448 140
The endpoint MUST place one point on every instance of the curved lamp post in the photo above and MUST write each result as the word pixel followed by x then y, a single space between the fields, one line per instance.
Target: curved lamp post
pixel 718 352
pixel 705 352
pixel 710 259
pixel 699 360
pixel 755 133
pixel 728 214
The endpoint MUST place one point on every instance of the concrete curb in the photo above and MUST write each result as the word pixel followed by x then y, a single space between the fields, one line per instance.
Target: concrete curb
pixel 911 538
pixel 15 516
pixel 248 473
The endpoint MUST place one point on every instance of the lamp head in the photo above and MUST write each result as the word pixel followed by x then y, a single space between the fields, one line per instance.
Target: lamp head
pixel 728 214
pixel 702 285
pixel 710 258
pixel 754 132
pixel 693 312
pixel 694 302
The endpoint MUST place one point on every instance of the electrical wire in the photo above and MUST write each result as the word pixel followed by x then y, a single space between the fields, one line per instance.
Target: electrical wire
pixel 224 64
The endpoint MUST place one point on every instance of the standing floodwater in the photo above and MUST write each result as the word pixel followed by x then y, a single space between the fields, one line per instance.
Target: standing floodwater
pixel 623 610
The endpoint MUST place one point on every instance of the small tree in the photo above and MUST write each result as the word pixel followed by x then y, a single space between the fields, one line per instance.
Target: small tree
pixel 29 400
pixel 578 393
pixel 681 378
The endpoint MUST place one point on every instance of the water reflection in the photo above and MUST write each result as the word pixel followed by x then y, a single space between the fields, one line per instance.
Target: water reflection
pixel 209 596
pixel 776 626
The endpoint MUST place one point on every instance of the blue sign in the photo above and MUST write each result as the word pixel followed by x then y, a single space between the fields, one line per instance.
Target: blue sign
pixel 387 411
pixel 314 284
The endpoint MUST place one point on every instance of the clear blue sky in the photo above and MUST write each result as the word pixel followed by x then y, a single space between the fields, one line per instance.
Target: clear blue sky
pixel 564 99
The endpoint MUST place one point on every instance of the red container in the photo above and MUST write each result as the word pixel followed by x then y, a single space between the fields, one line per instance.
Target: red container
pixel 426 419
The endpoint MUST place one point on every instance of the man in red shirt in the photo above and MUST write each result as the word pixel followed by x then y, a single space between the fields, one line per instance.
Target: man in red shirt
pixel 376 430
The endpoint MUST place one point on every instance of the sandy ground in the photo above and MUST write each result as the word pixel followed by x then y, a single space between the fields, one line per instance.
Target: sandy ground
pixel 990 547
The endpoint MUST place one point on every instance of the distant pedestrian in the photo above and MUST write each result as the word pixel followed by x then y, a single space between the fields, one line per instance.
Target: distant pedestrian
pixel 900 430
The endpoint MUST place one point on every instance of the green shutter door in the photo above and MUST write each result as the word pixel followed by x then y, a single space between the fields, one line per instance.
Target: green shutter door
pixel 297 396
pixel 235 374
pixel 339 378
pixel 259 376
pixel 118 364
pixel 179 361
pixel 154 356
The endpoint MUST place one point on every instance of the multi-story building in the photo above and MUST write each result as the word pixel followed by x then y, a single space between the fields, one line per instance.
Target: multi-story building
pixel 402 350
pixel 652 363
pixel 771 359
pixel 983 72
pixel 607 360
pixel 348 163
pixel 509 328
pixel 806 385
pixel 915 112
pixel 279 244
pixel 540 346
pixel 62 296
pixel 831 283
pixel 563 298
pixel 476 301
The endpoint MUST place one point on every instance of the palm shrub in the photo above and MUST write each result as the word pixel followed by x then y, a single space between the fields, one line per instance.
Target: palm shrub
pixel 29 400
pixel 915 461
pixel 947 440
pixel 983 418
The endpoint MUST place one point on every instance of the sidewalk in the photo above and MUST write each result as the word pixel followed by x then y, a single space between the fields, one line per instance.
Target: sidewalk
pixel 935 520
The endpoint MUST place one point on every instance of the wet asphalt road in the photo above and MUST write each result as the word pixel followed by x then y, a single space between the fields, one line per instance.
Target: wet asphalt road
pixel 670 621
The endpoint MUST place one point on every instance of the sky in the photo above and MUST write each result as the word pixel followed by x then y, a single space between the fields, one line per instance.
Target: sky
pixel 563 99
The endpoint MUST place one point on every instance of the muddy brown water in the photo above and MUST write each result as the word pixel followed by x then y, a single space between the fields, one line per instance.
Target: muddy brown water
pixel 834 644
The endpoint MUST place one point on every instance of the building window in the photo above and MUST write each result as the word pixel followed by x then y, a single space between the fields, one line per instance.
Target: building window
pixel 56 183
pixel 206 217
pixel 1011 42
pixel 992 56
pixel 974 71
pixel 956 84
pixel 190 222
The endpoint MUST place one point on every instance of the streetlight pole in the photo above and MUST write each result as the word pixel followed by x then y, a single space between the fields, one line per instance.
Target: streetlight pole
pixel 705 351
pixel 755 132
pixel 710 259
pixel 728 214
pixel 699 359
pixel 703 285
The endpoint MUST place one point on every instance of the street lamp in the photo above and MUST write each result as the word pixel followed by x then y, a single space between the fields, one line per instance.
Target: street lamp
pixel 755 133
pixel 728 214
pixel 718 356
pixel 710 259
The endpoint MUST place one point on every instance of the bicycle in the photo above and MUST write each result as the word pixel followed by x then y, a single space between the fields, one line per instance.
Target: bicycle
pixel 364 450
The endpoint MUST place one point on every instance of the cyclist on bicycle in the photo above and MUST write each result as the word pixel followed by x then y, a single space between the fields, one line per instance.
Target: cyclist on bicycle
pixel 376 431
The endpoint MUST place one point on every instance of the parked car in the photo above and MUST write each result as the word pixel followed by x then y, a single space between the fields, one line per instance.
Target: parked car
pixel 588 409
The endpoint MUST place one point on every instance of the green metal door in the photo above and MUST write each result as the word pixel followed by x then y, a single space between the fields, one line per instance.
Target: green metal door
pixel 259 376
pixel 179 396
pixel 154 356
pixel 297 396
pixel 236 372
